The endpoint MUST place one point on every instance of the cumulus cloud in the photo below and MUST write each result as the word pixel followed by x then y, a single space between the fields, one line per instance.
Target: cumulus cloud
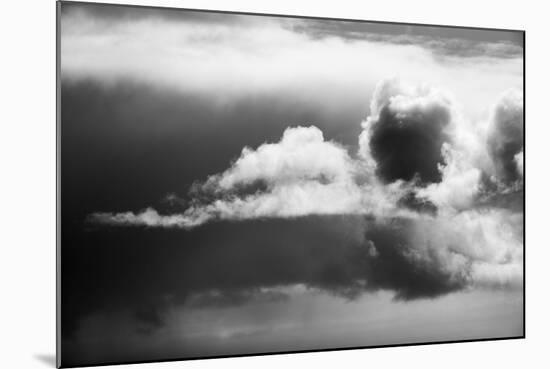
pixel 419 134
pixel 300 175
pixel 505 137
pixel 460 181
pixel 405 132
pixel 302 154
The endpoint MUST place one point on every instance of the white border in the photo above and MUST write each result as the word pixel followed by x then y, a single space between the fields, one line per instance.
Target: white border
pixel 27 152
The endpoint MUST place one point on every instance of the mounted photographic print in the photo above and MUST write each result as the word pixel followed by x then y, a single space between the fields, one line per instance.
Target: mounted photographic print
pixel 240 184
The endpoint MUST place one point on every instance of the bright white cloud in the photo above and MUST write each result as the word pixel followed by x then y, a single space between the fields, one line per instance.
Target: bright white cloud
pixel 302 154
pixel 483 245
pixel 460 183
pixel 303 175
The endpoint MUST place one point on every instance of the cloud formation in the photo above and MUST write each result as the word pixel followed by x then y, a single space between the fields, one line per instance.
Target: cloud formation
pixel 300 175
pixel 415 157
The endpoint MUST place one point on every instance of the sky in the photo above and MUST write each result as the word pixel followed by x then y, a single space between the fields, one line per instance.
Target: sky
pixel 236 184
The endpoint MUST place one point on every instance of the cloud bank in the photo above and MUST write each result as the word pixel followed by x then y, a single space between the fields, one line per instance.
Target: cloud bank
pixel 184 53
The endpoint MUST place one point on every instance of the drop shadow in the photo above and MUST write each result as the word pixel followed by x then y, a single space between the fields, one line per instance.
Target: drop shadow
pixel 48 359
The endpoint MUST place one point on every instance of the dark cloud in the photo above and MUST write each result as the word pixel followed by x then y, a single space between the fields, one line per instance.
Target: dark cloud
pixel 396 267
pixel 407 145
pixel 505 139
pixel 113 13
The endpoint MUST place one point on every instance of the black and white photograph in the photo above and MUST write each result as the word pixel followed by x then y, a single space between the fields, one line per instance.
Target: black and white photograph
pixel 239 184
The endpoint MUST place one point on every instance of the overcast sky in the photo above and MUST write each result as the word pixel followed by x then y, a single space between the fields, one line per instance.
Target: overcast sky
pixel 235 184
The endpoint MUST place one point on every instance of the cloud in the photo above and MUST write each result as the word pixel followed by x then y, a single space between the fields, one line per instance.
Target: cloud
pixel 302 154
pixel 185 55
pixel 417 155
pixel 405 132
pixel 428 257
pixel 149 217
pixel 461 162
pixel 300 175
pixel 460 181
pixel 443 42
pixel 505 137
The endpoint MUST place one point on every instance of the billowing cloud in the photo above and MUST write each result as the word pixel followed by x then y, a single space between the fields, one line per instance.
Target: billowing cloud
pixel 405 132
pixel 301 155
pixel 505 137
pixel 300 175
pixel 460 181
